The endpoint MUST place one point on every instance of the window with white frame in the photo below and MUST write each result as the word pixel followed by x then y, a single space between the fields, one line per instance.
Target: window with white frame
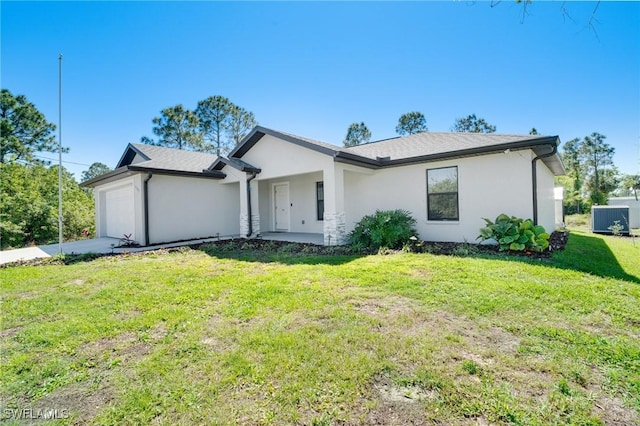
pixel 442 194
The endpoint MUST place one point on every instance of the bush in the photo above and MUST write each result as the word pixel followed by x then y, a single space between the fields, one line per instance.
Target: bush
pixel 390 229
pixel 516 234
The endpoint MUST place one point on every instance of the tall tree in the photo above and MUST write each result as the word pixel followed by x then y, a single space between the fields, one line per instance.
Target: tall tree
pixel 629 186
pixel 240 123
pixel 24 130
pixel 94 170
pixel 357 133
pixel 214 114
pixel 411 123
pixel 29 200
pixel 533 131
pixel 596 155
pixel 177 127
pixel 571 159
pixel 472 124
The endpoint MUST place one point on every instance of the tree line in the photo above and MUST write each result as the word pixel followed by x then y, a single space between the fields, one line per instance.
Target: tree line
pixel 29 186
pixel 216 125
pixel 415 122
pixel 592 177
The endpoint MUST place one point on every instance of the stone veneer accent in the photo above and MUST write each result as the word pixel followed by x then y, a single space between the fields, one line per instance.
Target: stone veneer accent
pixel 334 229
pixel 255 222
pixel 244 225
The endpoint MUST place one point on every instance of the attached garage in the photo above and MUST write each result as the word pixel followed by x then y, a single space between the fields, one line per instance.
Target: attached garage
pixel 119 212
pixel 158 195
pixel 118 208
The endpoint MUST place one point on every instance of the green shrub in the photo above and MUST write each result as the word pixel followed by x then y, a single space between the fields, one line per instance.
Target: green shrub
pixel 389 228
pixel 516 234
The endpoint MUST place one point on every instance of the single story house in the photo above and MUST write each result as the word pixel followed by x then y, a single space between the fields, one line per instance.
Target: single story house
pixel 278 182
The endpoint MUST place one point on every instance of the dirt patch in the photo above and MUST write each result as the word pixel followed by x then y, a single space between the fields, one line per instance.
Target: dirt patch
pixel 159 331
pixel 387 307
pixel 416 321
pixel 75 401
pixel 390 392
pixel 109 344
pixel 24 295
pixel 612 412
pixel 10 331
pixel 127 315
pixel 398 405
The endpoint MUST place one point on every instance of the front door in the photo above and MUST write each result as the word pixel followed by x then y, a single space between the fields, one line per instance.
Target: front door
pixel 281 206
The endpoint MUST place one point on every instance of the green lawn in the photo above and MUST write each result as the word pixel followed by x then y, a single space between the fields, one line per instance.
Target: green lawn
pixel 219 337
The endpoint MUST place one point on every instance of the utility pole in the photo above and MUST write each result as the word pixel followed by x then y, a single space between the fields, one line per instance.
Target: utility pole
pixel 60 153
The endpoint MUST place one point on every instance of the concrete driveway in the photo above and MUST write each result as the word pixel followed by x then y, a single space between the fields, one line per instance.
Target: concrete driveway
pixel 96 245
pixel 107 245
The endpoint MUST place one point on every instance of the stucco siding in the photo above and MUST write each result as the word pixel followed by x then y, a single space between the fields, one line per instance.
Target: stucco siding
pixel 277 158
pixel 487 186
pixel 184 208
pixel 546 197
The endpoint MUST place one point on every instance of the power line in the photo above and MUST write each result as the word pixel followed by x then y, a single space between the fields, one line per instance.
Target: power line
pixel 68 162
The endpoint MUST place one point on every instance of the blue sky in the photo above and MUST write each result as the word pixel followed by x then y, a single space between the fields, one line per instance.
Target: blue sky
pixel 313 68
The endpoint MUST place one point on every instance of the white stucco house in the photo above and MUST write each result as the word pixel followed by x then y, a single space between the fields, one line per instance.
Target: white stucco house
pixel 279 182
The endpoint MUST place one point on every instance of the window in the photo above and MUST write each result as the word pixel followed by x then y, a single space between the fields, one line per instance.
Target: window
pixel 320 200
pixel 442 194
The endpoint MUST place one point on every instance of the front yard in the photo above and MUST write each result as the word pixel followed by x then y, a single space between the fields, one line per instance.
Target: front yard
pixel 215 336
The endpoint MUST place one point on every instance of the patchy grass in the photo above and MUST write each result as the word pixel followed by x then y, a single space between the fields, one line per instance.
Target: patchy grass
pixel 210 337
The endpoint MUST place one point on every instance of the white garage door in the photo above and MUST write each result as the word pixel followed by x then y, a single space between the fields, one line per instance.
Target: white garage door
pixel 120 218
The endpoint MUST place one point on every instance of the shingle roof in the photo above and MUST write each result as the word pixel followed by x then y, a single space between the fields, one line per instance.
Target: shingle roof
pixel 432 143
pixel 313 141
pixel 162 158
pixel 418 148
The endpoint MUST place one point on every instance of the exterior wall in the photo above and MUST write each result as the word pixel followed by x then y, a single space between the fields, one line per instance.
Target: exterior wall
pixel 558 192
pixel 634 209
pixel 187 208
pixel 487 186
pixel 278 158
pixel 546 197
pixel 99 193
pixel 302 196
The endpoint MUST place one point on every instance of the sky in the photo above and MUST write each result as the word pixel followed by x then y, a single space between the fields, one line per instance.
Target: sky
pixel 313 68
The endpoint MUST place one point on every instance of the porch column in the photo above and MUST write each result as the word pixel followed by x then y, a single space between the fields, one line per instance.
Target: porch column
pixel 334 214
pixel 255 206
pixel 244 208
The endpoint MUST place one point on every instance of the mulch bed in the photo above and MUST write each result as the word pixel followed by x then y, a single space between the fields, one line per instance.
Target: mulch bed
pixel 557 242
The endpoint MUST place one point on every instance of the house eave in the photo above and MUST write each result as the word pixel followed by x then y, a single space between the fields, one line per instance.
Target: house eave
pixel 221 162
pixel 129 170
pixel 538 146
pixel 107 177
pixel 208 174
pixel 259 132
